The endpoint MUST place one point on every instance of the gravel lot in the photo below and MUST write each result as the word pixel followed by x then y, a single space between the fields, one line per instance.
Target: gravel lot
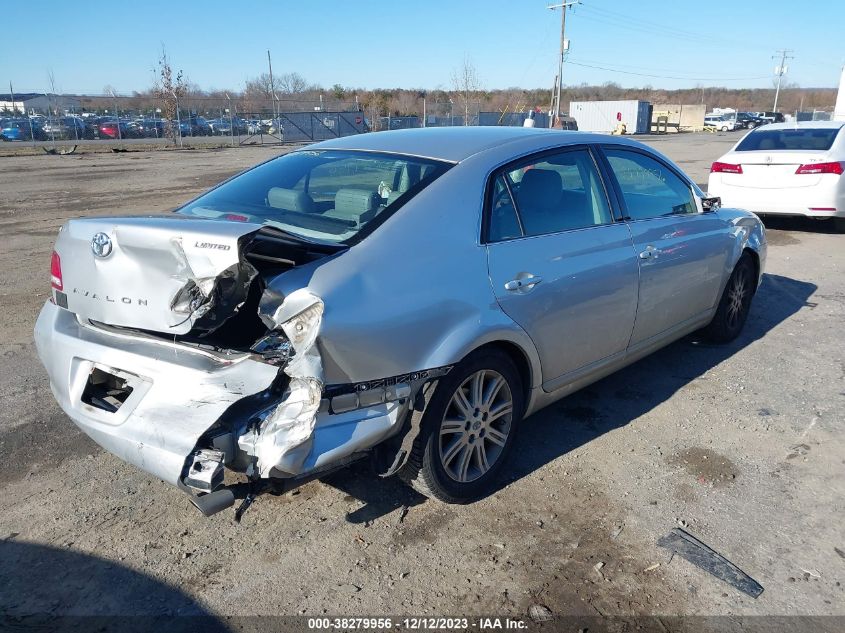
pixel 742 444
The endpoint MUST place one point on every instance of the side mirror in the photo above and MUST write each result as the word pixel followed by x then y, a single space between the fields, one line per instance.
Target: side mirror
pixel 711 204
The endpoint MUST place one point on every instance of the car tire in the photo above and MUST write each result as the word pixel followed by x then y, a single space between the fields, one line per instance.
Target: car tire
pixel 724 128
pixel 462 447
pixel 838 225
pixel 735 303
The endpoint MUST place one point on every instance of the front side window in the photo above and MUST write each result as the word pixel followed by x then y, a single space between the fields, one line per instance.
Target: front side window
pixel 558 192
pixel 328 195
pixel 649 188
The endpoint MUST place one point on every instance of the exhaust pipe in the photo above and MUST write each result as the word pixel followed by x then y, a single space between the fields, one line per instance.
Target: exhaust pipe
pixel 214 502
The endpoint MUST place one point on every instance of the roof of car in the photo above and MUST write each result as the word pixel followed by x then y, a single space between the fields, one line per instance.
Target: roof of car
pixel 801 124
pixel 454 144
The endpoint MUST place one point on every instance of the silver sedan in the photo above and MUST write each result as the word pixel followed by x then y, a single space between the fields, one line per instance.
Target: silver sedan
pixel 407 297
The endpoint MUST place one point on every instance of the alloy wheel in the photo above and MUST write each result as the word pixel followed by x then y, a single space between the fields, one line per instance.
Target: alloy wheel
pixel 737 299
pixel 476 425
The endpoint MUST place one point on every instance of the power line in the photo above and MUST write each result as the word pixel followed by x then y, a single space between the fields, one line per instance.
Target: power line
pixel 620 20
pixel 638 67
pixel 626 20
pixel 688 78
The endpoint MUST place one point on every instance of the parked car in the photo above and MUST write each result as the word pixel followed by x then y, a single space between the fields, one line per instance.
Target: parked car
pixel 748 120
pixel 720 122
pixel 194 126
pixel 405 296
pixel 223 126
pixel 113 129
pixel 772 117
pixel 67 127
pixel 786 169
pixel 17 129
pixel 149 128
pixel 254 126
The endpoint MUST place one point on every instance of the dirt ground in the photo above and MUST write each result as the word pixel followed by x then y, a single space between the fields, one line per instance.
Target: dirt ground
pixel 742 445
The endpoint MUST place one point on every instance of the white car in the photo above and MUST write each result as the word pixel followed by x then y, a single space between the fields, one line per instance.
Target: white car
pixel 720 122
pixel 785 169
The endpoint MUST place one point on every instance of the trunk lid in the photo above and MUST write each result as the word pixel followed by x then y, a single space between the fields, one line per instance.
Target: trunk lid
pixel 774 169
pixel 153 273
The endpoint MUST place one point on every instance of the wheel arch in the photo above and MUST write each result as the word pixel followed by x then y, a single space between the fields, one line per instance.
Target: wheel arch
pixel 755 259
pixel 520 359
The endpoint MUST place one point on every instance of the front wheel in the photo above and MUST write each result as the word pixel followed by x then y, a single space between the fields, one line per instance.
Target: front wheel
pixel 735 303
pixel 724 128
pixel 467 429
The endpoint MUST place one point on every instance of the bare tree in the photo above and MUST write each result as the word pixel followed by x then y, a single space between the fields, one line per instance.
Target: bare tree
pixel 169 89
pixel 292 83
pixel 465 83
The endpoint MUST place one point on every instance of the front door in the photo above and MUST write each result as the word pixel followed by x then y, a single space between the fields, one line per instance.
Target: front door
pixel 559 265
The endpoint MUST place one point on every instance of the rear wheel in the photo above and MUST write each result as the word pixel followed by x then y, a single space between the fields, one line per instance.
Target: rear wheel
pixel 839 225
pixel 735 303
pixel 724 128
pixel 467 429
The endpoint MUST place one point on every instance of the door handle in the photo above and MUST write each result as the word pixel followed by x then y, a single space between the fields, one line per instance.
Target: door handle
pixel 526 283
pixel 649 253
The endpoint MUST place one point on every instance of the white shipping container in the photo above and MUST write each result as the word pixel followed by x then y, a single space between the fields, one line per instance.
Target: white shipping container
pixel 604 116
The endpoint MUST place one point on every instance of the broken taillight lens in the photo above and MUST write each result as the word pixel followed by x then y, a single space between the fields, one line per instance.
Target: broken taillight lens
pixel 56 271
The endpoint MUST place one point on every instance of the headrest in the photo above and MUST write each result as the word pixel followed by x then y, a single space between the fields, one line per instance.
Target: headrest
pixel 357 204
pixel 290 200
pixel 539 188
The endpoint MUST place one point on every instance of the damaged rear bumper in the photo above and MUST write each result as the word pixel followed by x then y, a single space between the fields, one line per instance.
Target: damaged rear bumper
pixel 172 394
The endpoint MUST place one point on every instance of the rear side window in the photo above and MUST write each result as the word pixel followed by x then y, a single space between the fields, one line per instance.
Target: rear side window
pixel 650 189
pixel 800 139
pixel 553 193
pixel 504 222
pixel 328 195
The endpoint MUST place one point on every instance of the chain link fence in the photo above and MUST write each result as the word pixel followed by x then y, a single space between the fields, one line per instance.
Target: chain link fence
pixel 51 119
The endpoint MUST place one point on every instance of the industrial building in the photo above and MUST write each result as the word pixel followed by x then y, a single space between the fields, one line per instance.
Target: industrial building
pixel 39 103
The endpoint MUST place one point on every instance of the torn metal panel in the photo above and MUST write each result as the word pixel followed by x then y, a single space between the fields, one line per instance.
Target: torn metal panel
pixel 690 548
pixel 288 429
pixel 209 301
pixel 162 274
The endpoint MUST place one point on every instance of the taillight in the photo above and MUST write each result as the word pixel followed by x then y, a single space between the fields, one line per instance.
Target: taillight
pixel 821 168
pixel 56 271
pixel 725 168
pixel 235 217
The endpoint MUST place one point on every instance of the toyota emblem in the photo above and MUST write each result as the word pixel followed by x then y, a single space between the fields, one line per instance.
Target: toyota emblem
pixel 101 245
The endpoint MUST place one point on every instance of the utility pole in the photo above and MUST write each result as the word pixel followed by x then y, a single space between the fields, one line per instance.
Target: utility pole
pixel 564 46
pixel 780 70
pixel 272 86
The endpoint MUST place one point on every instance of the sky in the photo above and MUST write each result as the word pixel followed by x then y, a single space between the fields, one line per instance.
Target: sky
pixel 396 43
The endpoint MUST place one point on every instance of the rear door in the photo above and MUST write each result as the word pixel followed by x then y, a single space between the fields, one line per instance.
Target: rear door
pixel 681 251
pixel 559 264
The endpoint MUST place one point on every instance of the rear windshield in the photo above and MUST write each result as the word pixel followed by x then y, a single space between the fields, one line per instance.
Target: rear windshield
pixel 326 195
pixel 796 139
